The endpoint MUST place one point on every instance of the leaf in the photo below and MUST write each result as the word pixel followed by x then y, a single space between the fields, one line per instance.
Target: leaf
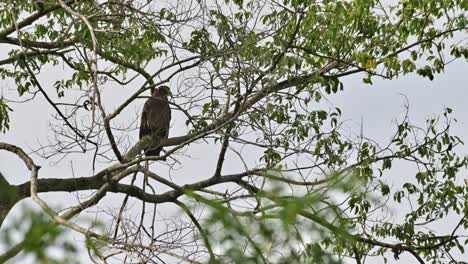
pixel 426 72
pixel 4 116
pixel 385 189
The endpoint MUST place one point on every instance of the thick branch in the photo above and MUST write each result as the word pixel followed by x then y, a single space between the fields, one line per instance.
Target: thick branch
pixel 24 55
pixel 39 44
pixel 8 198
pixel 95 182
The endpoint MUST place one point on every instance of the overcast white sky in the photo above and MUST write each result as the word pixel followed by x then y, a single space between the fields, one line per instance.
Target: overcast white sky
pixel 374 107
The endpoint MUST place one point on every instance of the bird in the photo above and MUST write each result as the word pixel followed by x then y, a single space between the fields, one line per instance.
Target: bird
pixel 156 118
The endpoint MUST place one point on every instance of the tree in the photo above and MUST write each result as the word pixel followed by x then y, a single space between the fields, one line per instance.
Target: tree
pixel 288 184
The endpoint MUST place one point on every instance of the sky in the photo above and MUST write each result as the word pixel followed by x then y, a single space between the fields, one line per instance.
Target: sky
pixel 374 108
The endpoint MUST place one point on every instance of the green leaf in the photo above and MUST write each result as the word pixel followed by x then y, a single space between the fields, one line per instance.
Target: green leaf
pixel 4 116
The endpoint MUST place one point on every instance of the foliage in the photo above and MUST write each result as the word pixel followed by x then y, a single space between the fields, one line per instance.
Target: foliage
pixel 4 117
pixel 41 238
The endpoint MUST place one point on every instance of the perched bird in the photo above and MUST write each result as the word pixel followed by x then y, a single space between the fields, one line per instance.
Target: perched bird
pixel 156 118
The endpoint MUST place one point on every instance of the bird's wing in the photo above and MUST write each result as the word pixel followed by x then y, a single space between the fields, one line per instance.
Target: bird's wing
pixel 144 128
pixel 156 116
pixel 167 121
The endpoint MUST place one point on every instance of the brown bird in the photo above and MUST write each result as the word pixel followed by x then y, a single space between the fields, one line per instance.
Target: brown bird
pixel 156 118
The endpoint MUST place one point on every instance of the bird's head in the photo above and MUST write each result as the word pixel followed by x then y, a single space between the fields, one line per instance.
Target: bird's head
pixel 162 91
